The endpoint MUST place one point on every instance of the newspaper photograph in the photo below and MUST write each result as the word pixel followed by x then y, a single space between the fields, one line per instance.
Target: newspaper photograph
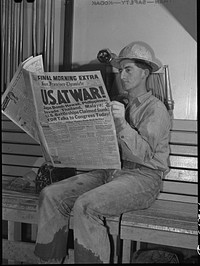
pixel 17 100
pixel 75 120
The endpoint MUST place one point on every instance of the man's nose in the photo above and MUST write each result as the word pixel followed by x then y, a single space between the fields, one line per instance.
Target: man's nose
pixel 122 74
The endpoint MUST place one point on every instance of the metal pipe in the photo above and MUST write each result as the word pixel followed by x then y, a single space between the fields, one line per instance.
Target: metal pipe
pixel 3 32
pixel 38 25
pixel 21 20
pixel 52 22
pixel 161 87
pixel 34 48
pixel 12 45
pixel 46 36
pixel 168 89
pixel 8 55
pixel 6 43
pixel 15 40
pixel 17 35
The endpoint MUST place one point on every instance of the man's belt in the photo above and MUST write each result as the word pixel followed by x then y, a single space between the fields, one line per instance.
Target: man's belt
pixel 130 165
pixel 133 165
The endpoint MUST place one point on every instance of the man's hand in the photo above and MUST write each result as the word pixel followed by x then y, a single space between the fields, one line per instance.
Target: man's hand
pixel 118 111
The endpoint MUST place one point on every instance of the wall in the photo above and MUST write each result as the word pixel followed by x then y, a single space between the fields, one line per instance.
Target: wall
pixel 113 24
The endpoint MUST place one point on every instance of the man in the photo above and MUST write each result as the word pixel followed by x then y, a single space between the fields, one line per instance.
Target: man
pixel 143 135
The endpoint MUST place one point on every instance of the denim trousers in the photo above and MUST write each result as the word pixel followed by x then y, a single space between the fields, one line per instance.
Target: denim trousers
pixel 93 196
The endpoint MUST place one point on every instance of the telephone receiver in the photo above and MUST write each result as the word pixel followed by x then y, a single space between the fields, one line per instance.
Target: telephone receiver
pixel 105 56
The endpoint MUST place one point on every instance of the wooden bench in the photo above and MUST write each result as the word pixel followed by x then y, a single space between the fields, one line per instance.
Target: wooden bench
pixel 171 220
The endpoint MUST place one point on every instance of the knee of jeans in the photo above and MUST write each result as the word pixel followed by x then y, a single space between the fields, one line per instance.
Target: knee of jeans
pixel 47 193
pixel 87 205
pixel 81 205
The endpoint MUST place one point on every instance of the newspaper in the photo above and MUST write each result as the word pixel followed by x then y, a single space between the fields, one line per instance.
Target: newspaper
pixel 17 100
pixel 71 118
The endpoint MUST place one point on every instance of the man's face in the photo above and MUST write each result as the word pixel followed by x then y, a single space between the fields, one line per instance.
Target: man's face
pixel 132 76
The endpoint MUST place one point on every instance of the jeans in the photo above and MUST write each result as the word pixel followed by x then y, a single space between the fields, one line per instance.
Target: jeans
pixel 93 196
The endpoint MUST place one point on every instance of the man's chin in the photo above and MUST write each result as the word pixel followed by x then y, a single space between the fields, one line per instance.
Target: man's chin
pixel 126 88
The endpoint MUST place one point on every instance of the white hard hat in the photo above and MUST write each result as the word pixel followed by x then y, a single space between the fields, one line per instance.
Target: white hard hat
pixel 137 51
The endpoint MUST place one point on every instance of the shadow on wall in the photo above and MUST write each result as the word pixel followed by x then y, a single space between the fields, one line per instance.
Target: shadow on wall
pixel 185 12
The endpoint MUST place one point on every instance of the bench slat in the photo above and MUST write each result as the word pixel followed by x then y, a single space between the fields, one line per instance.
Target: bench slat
pixel 179 187
pixel 36 149
pixel 8 125
pixel 16 171
pixel 183 162
pixel 175 161
pixel 20 160
pixel 182 175
pixel 160 237
pixel 177 137
pixel 21 149
pixel 177 124
pixel 183 150
pixel 184 125
pixel 16 215
pixel 17 137
pixel 161 207
pixel 22 137
pixel 179 198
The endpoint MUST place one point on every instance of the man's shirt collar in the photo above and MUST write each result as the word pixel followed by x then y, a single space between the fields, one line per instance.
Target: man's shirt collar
pixel 140 99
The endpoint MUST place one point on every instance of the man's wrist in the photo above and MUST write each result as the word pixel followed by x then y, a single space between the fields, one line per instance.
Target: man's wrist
pixel 120 124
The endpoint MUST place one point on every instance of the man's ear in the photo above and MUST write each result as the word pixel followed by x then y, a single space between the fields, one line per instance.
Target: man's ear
pixel 146 73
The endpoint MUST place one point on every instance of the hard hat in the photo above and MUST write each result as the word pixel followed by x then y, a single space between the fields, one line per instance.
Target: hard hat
pixel 137 51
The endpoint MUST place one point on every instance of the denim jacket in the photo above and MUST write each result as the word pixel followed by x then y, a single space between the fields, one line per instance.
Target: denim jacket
pixel 144 139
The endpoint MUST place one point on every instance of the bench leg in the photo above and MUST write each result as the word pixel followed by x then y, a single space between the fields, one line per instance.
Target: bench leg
pixel 129 246
pixel 14 234
pixel 126 252
pixel 33 232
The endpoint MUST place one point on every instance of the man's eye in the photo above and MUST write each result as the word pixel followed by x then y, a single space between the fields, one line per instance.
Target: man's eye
pixel 120 70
